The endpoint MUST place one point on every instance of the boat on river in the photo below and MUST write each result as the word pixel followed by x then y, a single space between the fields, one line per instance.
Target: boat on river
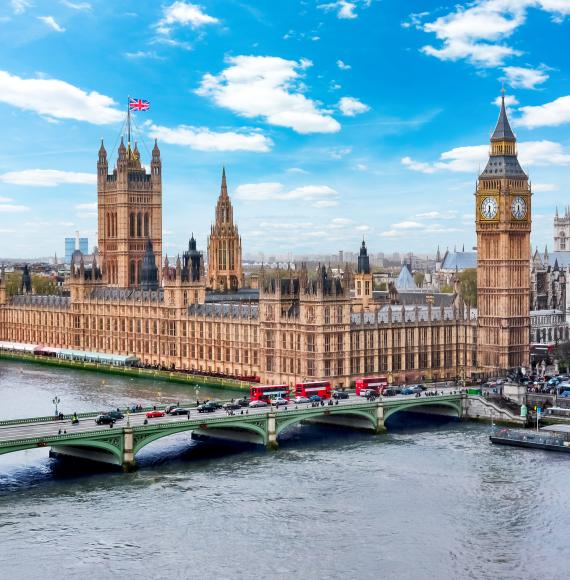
pixel 549 438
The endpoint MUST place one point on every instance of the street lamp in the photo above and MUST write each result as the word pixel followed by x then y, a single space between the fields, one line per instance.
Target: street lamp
pixel 56 401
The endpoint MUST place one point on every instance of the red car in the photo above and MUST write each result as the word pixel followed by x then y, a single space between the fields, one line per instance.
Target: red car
pixel 152 414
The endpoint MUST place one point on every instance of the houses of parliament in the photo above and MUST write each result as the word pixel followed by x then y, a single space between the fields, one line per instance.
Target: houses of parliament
pixel 296 324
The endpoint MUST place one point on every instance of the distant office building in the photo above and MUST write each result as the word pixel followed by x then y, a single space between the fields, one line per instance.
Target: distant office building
pixel 76 243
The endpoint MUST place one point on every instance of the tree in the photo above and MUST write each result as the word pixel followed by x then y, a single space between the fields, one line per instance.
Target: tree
pixel 446 289
pixel 468 279
pixel 43 285
pixel 562 353
pixel 13 283
pixel 419 278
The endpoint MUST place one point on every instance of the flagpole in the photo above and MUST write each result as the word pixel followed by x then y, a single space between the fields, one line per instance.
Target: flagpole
pixel 129 122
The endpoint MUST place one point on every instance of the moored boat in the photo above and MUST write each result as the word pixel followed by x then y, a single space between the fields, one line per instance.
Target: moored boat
pixel 550 438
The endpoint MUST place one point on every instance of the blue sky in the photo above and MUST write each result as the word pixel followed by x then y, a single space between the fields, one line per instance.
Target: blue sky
pixel 335 119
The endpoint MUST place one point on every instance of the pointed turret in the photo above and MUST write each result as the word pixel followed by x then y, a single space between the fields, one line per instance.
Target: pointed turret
pixel 224 186
pixel 503 161
pixel 122 150
pixel 363 260
pixel 503 131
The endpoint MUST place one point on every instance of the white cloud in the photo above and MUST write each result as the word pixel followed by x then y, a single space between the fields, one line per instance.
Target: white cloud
pixel 478 33
pixel 418 165
pixel 145 54
pixel 551 114
pixel 438 215
pixel 510 101
pixel 202 139
pixel 340 222
pixel 325 203
pixel 406 225
pixel 86 206
pixel 345 9
pixel 544 187
pixel 342 65
pixel 362 167
pixel 269 87
pixel 76 5
pixel 183 14
pixel 20 6
pixel 525 78
pixel 473 158
pixel 10 208
pixel 543 153
pixel 51 23
pixel 47 177
pixel 350 107
pixel 58 100
pixel 5 199
pixel 277 191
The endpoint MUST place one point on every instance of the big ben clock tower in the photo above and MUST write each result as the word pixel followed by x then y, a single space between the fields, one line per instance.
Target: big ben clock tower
pixel 503 224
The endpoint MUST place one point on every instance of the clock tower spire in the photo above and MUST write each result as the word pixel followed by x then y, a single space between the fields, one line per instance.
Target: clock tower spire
pixel 503 225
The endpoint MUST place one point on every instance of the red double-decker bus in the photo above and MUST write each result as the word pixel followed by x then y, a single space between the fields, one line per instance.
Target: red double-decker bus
pixel 371 384
pixel 268 392
pixel 320 388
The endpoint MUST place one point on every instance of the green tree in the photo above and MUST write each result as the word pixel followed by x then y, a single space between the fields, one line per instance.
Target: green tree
pixel 562 353
pixel 468 280
pixel 446 289
pixel 419 278
pixel 13 283
pixel 43 285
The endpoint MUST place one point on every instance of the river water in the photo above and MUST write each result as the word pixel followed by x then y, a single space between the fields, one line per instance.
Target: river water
pixel 426 500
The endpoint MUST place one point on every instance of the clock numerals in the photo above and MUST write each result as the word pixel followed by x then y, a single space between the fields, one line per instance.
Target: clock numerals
pixel 489 208
pixel 518 208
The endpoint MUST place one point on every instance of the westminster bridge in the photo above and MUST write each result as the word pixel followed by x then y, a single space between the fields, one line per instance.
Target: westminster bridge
pixel 120 444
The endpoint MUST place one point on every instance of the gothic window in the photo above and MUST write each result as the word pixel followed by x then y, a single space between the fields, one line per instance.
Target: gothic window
pixel 132 271
pixel 327 315
pixel 562 241
pixel 146 234
pixel 139 225
pixel 132 226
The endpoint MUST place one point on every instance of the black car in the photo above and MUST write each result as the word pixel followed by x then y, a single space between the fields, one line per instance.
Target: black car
pixel 104 420
pixel 340 395
pixel 179 411
pixel 392 392
pixel 116 415
pixel 232 406
pixel 208 407
pixel 243 402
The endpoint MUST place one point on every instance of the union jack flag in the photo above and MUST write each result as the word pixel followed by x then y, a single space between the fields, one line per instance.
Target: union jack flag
pixel 138 105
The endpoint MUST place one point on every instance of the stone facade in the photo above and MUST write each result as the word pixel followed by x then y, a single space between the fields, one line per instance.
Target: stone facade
pixel 298 324
pixel 503 225
pixel 130 213
pixel 224 246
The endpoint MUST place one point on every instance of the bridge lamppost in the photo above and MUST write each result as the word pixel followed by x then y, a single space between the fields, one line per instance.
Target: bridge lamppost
pixel 197 392
pixel 56 401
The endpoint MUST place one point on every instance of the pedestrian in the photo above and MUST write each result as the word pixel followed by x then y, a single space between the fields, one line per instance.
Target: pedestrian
pixel 64 432
pixel 59 432
pixel 188 414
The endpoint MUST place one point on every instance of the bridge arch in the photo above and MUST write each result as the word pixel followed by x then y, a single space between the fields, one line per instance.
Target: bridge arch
pixel 108 447
pixel 369 416
pixel 427 402
pixel 144 438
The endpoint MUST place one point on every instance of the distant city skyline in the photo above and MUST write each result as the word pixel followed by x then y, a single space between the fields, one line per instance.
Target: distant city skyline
pixel 334 120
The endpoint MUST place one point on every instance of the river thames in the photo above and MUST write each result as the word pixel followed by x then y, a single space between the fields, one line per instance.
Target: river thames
pixel 426 500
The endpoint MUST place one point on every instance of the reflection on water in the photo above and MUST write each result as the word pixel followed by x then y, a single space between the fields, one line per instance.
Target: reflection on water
pixel 425 500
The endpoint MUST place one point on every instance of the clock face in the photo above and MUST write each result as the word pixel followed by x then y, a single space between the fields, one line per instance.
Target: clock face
pixel 518 208
pixel 489 208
